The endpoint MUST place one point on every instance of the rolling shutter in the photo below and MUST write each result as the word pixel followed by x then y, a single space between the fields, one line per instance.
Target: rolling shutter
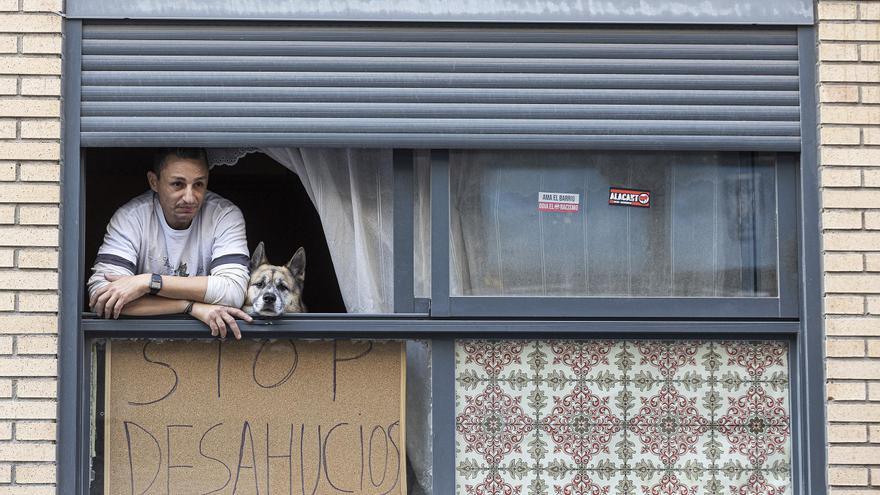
pixel 450 86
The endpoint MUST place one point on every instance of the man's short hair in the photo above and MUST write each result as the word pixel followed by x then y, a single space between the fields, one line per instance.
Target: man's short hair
pixel 160 159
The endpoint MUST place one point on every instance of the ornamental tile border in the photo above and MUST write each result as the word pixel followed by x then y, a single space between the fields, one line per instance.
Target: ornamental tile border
pixel 596 417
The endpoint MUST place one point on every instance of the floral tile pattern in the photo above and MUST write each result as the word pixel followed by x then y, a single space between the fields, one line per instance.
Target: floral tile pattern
pixel 615 417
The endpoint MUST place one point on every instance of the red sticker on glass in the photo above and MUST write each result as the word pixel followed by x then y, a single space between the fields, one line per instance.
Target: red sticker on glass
pixel 559 202
pixel 629 197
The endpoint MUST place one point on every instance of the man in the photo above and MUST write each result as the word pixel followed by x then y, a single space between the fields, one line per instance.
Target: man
pixel 177 248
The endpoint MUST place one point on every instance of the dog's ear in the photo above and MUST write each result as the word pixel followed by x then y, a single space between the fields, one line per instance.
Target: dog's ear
pixel 259 256
pixel 297 264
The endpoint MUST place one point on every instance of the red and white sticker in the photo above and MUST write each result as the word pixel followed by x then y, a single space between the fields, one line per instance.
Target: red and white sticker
pixel 559 202
pixel 629 197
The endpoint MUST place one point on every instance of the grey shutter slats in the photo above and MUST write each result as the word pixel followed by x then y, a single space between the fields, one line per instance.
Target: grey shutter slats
pixel 454 87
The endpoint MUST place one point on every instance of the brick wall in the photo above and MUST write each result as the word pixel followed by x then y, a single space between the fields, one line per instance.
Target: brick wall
pixel 849 76
pixel 30 131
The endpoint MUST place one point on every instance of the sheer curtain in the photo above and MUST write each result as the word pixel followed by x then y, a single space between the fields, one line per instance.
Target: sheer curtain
pixel 352 192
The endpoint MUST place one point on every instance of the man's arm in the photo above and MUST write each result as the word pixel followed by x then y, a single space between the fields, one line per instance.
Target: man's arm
pixel 218 318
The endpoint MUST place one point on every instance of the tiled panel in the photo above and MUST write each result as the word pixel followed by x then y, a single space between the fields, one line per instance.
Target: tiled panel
pixel 599 417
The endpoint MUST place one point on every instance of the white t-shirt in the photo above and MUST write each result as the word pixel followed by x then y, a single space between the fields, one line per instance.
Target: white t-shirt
pixel 139 240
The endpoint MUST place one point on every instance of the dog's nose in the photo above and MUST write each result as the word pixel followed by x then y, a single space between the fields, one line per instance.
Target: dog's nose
pixel 269 298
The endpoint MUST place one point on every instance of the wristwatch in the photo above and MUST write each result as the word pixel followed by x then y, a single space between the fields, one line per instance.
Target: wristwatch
pixel 155 283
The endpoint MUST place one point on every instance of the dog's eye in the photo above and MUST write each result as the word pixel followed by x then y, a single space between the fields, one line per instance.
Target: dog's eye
pixel 259 285
pixel 282 287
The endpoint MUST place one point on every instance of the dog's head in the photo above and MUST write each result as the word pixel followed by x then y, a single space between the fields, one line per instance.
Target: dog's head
pixel 275 289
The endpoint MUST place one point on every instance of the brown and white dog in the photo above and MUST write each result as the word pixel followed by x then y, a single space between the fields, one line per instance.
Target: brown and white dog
pixel 275 289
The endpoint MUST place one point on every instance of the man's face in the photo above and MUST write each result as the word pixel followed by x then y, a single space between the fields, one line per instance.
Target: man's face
pixel 181 189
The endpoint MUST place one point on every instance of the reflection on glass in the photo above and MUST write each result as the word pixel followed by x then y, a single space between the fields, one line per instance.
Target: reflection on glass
pixel 710 230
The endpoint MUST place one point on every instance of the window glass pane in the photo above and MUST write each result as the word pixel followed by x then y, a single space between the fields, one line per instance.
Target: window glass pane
pixel 709 228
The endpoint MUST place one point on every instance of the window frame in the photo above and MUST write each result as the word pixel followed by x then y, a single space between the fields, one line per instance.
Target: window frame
pixel 800 323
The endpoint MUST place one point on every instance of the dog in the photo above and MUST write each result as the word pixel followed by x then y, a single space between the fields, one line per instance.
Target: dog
pixel 275 289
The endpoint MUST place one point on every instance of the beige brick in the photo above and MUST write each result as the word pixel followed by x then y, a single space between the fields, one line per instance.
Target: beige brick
pixel 30 65
pixel 29 193
pixel 870 94
pixel 7 214
pixel 847 476
pixel 835 368
pixel 48 344
pixel 835 241
pixel 842 177
pixel 838 135
pixel 843 262
pixel 5 473
pixel 869 53
pixel 27 409
pixel 6 430
pixel 872 262
pixel 853 327
pixel 35 473
pixel 30 23
pixel 30 150
pixel 38 215
pixel 847 433
pixel 50 44
pixel 40 171
pixel 6 344
pixel 9 5
pixel 8 85
pixel 845 391
pixel 40 86
pixel 34 430
pixel 41 129
pixel 833 347
pixel 840 412
pixel 873 305
pixel 18 366
pixel 873 347
pixel 7 258
pixel 41 5
pixel 30 107
pixel 37 258
pixel 874 435
pixel 869 11
pixel 27 452
pixel 38 302
pixel 842 220
pixel 8 43
pixel 874 391
pixel 28 324
pixel 31 279
pixel 868 283
pixel 871 176
pixel 849 32
pixel 839 52
pixel 839 93
pixel 846 114
pixel 837 10
pixel 8 129
pixel 845 305
pixel 37 388
pixel 849 73
pixel 7 171
pixel 851 156
pixel 852 305
pixel 872 220
pixel 29 236
pixel 50 490
pixel 6 388
pixel 7 301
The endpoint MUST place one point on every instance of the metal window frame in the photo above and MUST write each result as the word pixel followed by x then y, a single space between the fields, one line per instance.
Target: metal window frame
pixel 803 329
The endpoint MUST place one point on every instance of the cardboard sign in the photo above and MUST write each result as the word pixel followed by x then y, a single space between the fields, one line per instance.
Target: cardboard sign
pixel 249 417
pixel 559 202
pixel 629 197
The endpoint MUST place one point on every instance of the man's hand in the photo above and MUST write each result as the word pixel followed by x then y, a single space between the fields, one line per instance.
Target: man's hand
pixel 109 300
pixel 218 317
